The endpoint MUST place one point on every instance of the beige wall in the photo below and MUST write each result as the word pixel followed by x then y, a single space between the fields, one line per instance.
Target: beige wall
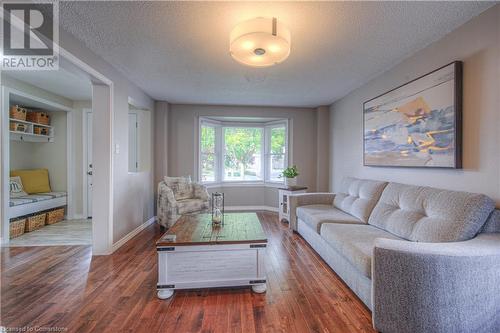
pixel 477 45
pixel 161 140
pixel 323 148
pixel 182 148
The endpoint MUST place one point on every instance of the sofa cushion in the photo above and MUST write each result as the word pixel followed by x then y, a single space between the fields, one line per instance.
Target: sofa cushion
pixel 354 242
pixel 358 196
pixel 191 205
pixel 493 222
pixel 425 214
pixel 315 215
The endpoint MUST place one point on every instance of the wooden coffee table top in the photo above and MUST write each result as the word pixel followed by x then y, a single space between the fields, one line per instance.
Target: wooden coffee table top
pixel 197 229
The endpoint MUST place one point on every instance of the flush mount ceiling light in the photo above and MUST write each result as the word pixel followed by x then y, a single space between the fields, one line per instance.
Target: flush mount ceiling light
pixel 260 42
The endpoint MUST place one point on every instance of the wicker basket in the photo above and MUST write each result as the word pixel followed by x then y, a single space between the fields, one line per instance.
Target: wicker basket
pixel 38 117
pixel 17 227
pixel 55 215
pixel 40 130
pixel 17 127
pixel 17 112
pixel 35 221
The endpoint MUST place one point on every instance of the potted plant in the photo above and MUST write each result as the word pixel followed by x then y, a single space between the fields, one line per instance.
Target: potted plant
pixel 290 175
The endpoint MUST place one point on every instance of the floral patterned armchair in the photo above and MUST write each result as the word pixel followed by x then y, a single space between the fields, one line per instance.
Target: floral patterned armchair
pixel 178 196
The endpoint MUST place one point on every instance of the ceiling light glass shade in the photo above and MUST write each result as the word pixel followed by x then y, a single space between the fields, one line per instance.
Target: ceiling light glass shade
pixel 260 42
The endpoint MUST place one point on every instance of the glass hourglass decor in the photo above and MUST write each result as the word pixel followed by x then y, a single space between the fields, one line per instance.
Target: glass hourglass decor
pixel 218 208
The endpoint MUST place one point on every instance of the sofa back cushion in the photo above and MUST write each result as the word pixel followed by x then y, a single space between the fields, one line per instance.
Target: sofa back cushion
pixel 493 222
pixel 181 186
pixel 425 214
pixel 358 196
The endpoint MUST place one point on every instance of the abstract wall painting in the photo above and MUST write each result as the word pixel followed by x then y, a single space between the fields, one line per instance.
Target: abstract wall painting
pixel 418 124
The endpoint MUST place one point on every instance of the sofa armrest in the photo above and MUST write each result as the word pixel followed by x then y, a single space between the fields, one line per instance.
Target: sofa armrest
pixel 200 192
pixel 305 199
pixel 437 287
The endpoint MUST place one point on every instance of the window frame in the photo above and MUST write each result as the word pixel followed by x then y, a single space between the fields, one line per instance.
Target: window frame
pixel 267 154
pixel 219 127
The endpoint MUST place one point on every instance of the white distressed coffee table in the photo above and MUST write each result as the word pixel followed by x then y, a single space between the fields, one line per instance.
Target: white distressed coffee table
pixel 203 256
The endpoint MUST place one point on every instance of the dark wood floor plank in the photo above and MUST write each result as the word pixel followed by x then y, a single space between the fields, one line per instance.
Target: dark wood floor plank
pixel 66 287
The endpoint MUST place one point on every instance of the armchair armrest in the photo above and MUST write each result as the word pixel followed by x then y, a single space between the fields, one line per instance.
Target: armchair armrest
pixel 437 287
pixel 166 205
pixel 304 199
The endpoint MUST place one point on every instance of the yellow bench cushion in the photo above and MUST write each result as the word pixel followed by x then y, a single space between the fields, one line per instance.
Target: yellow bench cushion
pixel 34 181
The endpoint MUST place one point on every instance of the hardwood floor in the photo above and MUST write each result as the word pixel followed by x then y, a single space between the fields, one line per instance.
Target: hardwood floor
pixel 64 287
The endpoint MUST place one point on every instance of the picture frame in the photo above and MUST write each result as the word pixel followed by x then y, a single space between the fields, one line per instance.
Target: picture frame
pixel 417 124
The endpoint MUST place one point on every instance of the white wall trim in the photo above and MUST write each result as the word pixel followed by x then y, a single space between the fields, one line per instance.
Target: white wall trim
pixel 70 162
pixel 133 233
pixel 85 162
pixel 250 208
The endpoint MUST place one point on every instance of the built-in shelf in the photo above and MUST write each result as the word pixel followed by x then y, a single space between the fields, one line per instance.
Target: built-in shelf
pixel 29 122
pixel 29 134
pixel 30 137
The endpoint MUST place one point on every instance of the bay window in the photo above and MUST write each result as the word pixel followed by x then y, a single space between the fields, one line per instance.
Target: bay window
pixel 242 151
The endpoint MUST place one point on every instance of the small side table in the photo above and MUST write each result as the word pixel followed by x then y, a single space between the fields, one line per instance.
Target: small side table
pixel 284 206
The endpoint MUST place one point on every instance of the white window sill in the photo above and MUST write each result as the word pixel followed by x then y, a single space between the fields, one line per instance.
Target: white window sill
pixel 244 184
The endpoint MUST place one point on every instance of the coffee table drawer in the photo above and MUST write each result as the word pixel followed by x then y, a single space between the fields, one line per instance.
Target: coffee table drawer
pixel 210 265
pixel 186 267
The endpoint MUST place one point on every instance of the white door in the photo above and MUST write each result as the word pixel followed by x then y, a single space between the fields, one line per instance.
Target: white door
pixel 89 163
pixel 132 142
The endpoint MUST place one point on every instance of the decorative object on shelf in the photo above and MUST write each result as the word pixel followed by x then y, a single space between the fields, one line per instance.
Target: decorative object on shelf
pixel 17 112
pixel 418 124
pixel 16 227
pixel 55 215
pixel 260 42
pixel 40 130
pixel 290 175
pixel 38 117
pixel 17 127
pixel 217 208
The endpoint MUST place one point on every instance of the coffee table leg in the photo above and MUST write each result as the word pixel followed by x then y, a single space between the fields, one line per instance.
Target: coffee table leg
pixel 259 288
pixel 165 293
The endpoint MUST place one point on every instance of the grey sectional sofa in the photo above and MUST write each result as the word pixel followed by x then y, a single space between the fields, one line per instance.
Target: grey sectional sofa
pixel 422 259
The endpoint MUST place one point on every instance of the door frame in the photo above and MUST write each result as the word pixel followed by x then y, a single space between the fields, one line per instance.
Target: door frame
pixel 85 161
pixel 102 223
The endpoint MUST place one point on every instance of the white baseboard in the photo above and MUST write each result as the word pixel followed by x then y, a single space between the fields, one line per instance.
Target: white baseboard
pixel 133 233
pixel 250 208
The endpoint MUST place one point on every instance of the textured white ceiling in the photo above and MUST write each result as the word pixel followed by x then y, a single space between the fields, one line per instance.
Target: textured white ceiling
pixel 178 51
pixel 62 82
